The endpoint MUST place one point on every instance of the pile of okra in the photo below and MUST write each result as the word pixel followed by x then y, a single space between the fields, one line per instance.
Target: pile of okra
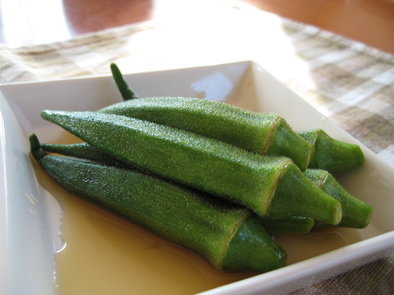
pixel 212 177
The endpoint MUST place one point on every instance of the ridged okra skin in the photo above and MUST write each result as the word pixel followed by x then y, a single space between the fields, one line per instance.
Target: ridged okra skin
pixel 327 153
pixel 230 237
pixel 293 224
pixel 83 151
pixel 265 134
pixel 355 213
pixel 331 154
pixel 272 187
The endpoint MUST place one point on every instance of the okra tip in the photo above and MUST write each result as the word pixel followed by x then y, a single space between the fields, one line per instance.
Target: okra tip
pixel 356 213
pixel 286 142
pixel 122 85
pixel 48 114
pixel 35 147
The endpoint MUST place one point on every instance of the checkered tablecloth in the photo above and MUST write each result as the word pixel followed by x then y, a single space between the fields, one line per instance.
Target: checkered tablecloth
pixel 347 81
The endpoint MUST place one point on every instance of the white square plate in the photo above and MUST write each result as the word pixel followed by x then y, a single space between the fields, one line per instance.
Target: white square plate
pixel 29 220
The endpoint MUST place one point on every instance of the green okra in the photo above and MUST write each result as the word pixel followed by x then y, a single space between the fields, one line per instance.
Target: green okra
pixel 230 237
pixel 205 118
pixel 264 134
pixel 331 154
pixel 293 224
pixel 355 213
pixel 270 186
pixel 85 151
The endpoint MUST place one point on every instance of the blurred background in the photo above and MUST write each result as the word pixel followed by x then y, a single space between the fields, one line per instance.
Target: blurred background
pixel 27 22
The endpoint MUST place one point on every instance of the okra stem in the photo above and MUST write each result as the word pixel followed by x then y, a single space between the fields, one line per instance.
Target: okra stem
pixel 331 154
pixel 269 186
pixel 294 190
pixel 220 231
pixel 355 213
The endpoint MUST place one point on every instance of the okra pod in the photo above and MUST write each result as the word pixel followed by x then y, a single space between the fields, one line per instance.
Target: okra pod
pixel 331 154
pixel 270 186
pixel 230 237
pixel 228 124
pixel 294 224
pixel 85 151
pixel 355 213
pixel 264 134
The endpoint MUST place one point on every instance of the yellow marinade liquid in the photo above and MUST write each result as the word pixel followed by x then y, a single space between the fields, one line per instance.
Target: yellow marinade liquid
pixel 105 254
